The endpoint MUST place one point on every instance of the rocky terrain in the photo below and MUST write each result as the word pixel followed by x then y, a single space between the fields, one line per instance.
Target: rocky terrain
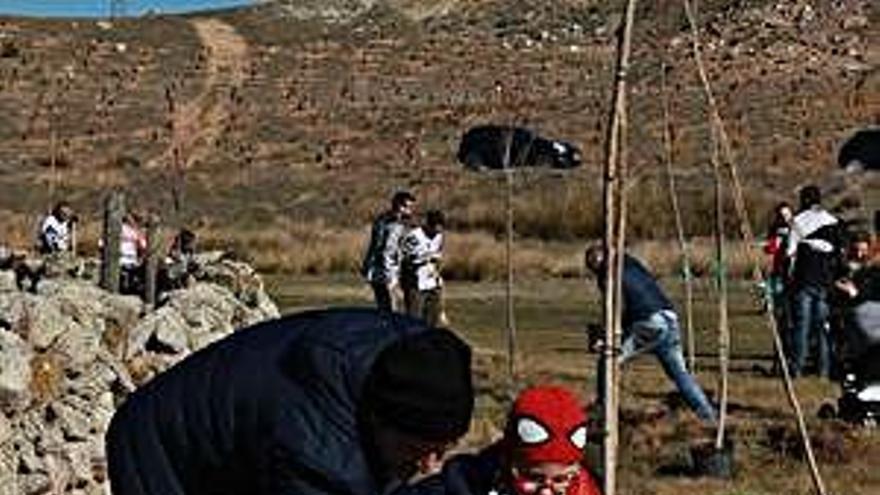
pixel 311 112
pixel 70 352
pixel 280 129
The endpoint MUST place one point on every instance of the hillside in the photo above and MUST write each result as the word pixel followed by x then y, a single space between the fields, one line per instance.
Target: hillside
pixel 303 116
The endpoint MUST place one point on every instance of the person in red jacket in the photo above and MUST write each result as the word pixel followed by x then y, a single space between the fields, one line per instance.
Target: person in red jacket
pixel 776 282
pixel 541 453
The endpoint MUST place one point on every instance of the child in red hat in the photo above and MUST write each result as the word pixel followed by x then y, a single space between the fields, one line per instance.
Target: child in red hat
pixel 544 442
pixel 541 452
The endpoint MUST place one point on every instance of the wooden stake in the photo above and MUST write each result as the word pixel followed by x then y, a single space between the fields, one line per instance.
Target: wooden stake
pixel 510 313
pixel 114 210
pixel 723 326
pixel 154 252
pixel 614 202
pixel 53 146
pixel 679 227
pixel 745 229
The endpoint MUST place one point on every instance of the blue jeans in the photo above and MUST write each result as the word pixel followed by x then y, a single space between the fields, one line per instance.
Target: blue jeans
pixel 660 335
pixel 810 306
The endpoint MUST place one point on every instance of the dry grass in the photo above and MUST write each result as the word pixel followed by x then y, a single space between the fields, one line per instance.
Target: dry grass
pixel 284 246
pixel 656 429
pixel 292 247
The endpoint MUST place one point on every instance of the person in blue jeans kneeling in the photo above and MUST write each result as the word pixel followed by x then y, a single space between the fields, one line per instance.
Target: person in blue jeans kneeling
pixel 650 325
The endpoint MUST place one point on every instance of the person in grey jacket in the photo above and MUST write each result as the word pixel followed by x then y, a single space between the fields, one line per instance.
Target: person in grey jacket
pixel 381 264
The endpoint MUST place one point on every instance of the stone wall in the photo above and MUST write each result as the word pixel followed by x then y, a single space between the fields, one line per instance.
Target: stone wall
pixel 71 352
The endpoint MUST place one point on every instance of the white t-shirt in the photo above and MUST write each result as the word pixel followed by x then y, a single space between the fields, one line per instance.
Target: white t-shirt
pixel 131 244
pixel 423 253
pixel 55 234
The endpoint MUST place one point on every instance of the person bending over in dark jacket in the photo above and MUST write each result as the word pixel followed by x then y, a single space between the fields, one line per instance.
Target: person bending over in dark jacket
pixel 345 401
pixel 650 324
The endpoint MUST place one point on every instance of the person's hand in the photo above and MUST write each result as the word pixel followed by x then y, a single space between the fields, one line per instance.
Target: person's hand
pixel 848 287
pixel 431 463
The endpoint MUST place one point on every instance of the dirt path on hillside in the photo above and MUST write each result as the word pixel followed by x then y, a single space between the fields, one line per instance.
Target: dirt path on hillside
pixel 198 123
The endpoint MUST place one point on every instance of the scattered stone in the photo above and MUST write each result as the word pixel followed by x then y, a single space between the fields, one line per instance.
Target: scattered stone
pixel 7 281
pixel 69 352
pixel 855 22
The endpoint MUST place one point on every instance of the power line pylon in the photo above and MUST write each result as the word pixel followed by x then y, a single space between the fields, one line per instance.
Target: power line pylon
pixel 117 9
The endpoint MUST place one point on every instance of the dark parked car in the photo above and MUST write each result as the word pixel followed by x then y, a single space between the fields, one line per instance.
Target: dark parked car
pixel 861 151
pixel 484 146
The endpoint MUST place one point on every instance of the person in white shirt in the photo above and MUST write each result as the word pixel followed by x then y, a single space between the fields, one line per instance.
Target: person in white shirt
pixel 56 229
pixel 132 246
pixel 421 279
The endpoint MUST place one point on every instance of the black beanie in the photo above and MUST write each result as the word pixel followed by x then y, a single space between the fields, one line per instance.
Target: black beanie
pixel 421 385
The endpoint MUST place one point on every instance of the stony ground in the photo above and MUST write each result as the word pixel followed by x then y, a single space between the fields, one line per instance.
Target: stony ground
pixel 656 432
pixel 293 111
pixel 294 120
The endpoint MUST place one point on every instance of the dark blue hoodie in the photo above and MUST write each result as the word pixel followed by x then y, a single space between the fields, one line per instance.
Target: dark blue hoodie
pixel 272 409
pixel 642 295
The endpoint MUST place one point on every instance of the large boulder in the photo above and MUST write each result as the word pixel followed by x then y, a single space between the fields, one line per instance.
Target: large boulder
pixel 166 325
pixel 34 318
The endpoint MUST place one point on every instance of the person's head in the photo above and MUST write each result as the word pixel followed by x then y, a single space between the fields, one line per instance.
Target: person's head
pixel 782 215
pixel 544 440
pixel 417 400
pixel 594 258
pixel 403 203
pixel 132 219
pixel 859 247
pixel 810 196
pixel 63 211
pixel 435 221
pixel 185 242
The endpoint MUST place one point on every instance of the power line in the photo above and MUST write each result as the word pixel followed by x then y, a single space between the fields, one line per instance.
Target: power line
pixel 117 9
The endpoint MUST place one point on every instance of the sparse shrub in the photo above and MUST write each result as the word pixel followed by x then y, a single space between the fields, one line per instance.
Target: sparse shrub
pixel 126 162
pixel 47 373
pixel 9 49
pixel 61 161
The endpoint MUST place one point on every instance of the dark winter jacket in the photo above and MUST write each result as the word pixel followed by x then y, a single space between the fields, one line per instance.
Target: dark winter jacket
pixel 642 295
pixel 815 242
pixel 483 474
pixel 272 409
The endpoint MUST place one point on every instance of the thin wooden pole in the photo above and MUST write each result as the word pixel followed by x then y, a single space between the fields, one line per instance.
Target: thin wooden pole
pixel 679 226
pixel 510 321
pixel 53 145
pixel 613 241
pixel 154 250
pixel 721 277
pixel 511 314
pixel 114 210
pixel 745 229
